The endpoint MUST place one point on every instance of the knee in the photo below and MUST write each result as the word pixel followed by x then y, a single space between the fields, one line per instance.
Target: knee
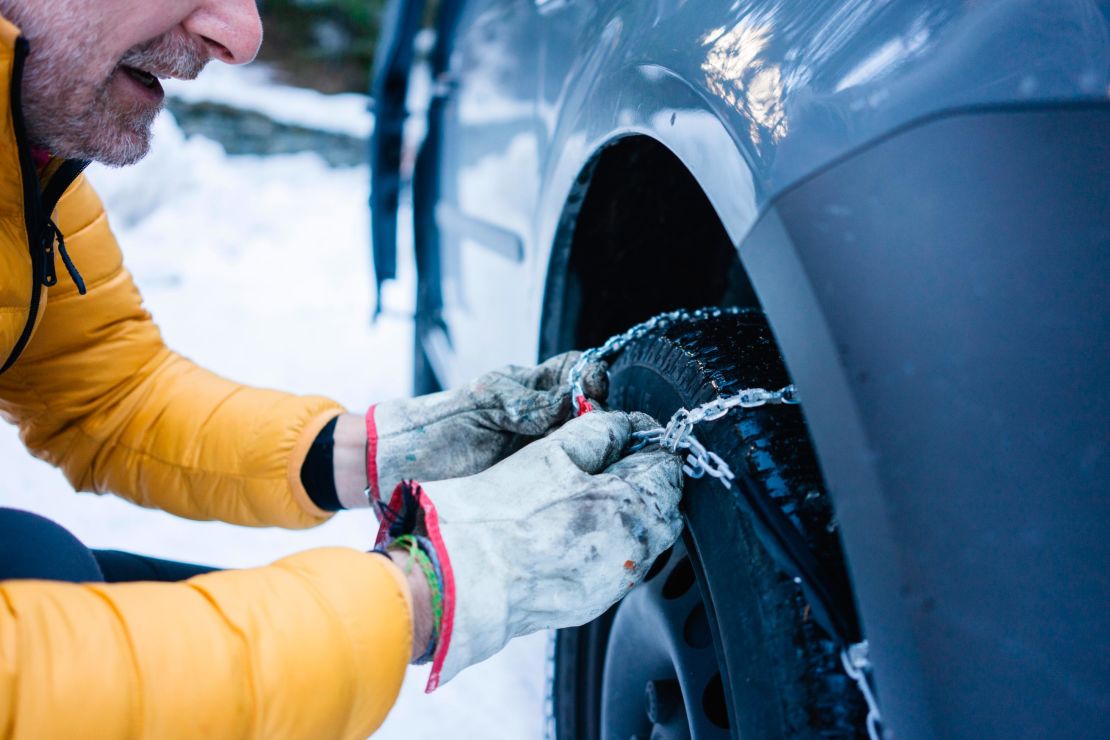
pixel 32 546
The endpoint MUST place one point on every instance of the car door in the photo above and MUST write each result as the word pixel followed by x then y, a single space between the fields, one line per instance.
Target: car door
pixel 477 194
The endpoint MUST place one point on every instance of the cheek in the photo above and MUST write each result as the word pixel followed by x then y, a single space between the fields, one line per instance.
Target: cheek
pixel 66 61
pixel 93 72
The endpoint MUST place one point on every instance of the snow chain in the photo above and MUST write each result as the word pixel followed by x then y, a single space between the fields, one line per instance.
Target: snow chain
pixel 679 432
pixel 678 435
pixel 856 660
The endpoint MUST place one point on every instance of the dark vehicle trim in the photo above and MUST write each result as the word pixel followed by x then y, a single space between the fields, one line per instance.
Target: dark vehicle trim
pixel 955 425
pixel 389 88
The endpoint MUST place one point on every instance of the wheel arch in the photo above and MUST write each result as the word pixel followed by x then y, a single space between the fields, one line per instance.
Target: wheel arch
pixel 637 235
pixel 610 114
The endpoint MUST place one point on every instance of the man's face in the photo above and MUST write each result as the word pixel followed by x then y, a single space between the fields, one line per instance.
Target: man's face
pixel 91 85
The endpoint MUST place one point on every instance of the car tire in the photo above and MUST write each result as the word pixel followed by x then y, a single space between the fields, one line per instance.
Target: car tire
pixel 718 641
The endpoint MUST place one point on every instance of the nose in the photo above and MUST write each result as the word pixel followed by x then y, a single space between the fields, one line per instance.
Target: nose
pixel 230 29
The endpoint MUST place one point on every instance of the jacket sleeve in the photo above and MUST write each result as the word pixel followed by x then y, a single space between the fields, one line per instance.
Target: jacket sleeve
pixel 99 395
pixel 313 646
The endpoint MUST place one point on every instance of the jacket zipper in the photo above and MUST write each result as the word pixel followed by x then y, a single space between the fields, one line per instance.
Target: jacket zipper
pixel 51 234
pixel 37 209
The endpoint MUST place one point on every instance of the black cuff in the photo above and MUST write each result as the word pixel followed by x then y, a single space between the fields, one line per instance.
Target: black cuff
pixel 318 470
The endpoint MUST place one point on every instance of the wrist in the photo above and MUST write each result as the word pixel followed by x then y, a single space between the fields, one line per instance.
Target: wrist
pixel 423 620
pixel 349 461
pixel 410 520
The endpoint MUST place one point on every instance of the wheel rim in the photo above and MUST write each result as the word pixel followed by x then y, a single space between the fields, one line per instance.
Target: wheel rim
pixel 662 679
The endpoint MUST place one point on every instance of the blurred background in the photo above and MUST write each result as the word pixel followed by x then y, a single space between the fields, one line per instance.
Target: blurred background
pixel 247 230
pixel 327 45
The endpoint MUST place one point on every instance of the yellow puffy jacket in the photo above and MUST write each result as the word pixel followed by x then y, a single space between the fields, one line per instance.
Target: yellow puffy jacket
pixel 313 646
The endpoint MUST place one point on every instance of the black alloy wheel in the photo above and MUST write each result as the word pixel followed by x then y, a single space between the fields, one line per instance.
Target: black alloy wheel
pixel 718 641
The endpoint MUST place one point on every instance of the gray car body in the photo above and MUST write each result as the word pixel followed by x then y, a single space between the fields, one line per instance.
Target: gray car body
pixel 972 510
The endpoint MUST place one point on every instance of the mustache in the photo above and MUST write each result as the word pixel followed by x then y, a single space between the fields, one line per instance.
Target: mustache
pixel 172 54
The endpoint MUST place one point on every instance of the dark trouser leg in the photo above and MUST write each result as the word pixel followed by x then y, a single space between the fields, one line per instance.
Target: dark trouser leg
pixel 120 567
pixel 32 546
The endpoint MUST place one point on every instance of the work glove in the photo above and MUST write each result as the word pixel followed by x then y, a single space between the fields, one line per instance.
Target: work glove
pixel 551 537
pixel 464 431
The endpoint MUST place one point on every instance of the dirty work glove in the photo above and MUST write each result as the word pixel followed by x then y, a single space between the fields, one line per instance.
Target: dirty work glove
pixel 464 431
pixel 551 537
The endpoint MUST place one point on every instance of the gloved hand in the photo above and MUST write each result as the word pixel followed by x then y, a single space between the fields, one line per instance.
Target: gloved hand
pixel 464 431
pixel 551 537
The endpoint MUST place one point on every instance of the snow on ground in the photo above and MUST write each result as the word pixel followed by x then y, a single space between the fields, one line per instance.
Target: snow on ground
pixel 250 88
pixel 258 268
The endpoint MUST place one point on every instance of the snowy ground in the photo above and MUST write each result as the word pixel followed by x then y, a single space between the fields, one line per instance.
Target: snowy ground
pixel 258 269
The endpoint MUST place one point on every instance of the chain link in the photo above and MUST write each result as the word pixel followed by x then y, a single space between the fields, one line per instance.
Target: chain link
pixel 856 660
pixel 678 435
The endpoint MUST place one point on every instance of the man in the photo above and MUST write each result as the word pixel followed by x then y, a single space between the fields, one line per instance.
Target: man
pixel 501 539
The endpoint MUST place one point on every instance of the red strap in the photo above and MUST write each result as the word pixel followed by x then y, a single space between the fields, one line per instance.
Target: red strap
pixel 389 515
pixel 372 458
pixel 584 405
pixel 431 523
pixel 431 527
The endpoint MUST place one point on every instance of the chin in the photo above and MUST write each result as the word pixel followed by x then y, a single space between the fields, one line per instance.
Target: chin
pixel 130 154
pixel 119 146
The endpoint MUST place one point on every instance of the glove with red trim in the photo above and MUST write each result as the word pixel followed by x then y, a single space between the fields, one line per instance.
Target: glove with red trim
pixel 464 431
pixel 551 537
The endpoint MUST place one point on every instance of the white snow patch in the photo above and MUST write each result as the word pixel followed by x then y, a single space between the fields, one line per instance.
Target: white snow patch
pixel 251 88
pixel 258 268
